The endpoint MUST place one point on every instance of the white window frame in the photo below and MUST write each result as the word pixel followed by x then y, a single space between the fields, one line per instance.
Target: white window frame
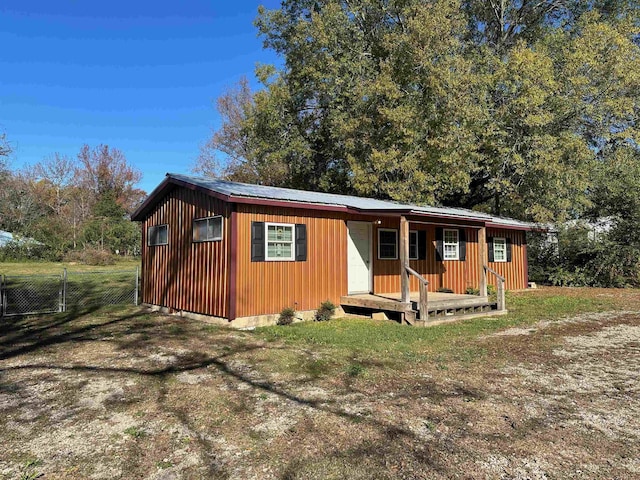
pixel 292 242
pixel 503 240
pixel 215 239
pixel 395 231
pixel 412 233
pixel 456 243
pixel 149 244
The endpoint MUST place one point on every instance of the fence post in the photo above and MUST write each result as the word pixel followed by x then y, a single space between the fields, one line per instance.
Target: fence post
pixel 2 295
pixel 135 297
pixel 64 290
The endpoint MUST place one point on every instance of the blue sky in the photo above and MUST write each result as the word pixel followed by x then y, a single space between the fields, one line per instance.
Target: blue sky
pixel 140 76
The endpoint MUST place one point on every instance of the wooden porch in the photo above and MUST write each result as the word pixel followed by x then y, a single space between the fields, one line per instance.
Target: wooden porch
pixel 440 306
pixel 424 307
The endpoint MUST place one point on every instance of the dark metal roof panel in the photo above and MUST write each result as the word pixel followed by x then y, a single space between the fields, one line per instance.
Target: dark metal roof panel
pixel 234 189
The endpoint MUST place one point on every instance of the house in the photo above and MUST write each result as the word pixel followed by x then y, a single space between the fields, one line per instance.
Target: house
pixel 240 253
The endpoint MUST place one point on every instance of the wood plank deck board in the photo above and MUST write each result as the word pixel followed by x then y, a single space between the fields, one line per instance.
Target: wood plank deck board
pixel 391 301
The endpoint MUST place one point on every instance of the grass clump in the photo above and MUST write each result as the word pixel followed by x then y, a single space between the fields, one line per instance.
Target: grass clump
pixel 29 470
pixel 135 432
pixel 355 369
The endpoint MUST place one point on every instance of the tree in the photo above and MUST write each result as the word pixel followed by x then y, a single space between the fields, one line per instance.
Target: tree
pixel 5 150
pixel 104 169
pixel 234 107
pixel 506 106
pixel 109 227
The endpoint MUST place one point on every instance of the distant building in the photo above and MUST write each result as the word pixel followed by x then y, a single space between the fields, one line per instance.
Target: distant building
pixel 8 237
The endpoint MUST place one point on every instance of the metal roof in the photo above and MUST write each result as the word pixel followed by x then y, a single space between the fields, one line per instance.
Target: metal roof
pixel 231 191
pixel 8 237
pixel 234 189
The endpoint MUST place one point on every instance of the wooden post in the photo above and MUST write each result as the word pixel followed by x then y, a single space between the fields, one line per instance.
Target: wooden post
pixel 501 300
pixel 404 259
pixel 424 312
pixel 482 260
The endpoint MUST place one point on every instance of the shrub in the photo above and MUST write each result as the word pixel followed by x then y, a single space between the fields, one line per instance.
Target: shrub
pixel 583 258
pixel 24 251
pixel 472 291
pixel 91 256
pixel 286 316
pixel 445 290
pixel 491 290
pixel 326 311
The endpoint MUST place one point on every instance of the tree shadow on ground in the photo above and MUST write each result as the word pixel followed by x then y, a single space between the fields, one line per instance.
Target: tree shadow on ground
pixel 33 335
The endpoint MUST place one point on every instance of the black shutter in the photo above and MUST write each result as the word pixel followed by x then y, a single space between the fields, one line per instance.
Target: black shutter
pixel 257 241
pixel 439 253
pixel 422 244
pixel 462 243
pixel 490 248
pixel 508 240
pixel 301 242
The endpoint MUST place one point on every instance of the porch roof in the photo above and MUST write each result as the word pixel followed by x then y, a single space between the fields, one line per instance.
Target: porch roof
pixel 260 194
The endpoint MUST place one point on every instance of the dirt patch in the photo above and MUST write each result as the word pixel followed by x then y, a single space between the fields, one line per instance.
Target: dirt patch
pixel 164 398
pixel 594 318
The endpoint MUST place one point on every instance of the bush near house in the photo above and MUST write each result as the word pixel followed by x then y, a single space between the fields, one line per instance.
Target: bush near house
pixel 577 259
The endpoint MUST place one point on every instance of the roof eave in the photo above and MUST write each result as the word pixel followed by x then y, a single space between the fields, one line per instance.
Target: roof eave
pixel 169 181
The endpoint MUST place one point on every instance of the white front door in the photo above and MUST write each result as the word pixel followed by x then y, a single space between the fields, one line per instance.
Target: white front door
pixel 359 257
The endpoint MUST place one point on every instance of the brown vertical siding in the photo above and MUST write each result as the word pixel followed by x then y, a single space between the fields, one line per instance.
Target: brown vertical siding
pixel 454 274
pixel 219 279
pixel 514 271
pixel 268 287
pixel 187 275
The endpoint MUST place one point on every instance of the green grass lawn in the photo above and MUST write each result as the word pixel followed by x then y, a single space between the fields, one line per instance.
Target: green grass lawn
pixel 29 268
pixel 391 342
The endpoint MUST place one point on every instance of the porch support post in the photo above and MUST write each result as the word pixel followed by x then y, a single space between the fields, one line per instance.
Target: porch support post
pixel 404 258
pixel 482 260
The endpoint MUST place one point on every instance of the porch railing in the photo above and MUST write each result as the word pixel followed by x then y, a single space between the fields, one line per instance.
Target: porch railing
pixel 424 284
pixel 500 297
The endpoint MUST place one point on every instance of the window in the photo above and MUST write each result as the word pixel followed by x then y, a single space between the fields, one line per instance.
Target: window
pixel 158 235
pixel 279 241
pixel 451 246
pixel 387 244
pixel 207 229
pixel 499 249
pixel 413 245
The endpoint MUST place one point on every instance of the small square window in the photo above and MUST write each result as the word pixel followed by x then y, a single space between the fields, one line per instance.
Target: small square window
pixel 158 235
pixel 499 249
pixel 450 244
pixel 207 229
pixel 387 244
pixel 413 245
pixel 279 242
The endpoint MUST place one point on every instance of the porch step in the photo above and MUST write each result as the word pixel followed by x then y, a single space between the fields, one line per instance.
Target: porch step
pixel 432 321
pixel 441 307
pixel 457 309
pixel 472 301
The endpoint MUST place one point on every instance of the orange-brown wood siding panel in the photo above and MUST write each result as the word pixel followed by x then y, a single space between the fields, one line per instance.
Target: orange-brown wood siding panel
pixel 268 287
pixel 453 274
pixel 187 275
pixel 515 271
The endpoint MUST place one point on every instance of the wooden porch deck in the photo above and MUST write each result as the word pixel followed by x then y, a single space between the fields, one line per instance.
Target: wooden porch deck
pixel 439 305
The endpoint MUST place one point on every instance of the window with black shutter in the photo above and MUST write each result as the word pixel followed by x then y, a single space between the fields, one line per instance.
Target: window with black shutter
pixel 301 242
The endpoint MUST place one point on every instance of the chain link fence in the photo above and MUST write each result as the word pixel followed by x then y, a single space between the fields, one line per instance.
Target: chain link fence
pixel 51 293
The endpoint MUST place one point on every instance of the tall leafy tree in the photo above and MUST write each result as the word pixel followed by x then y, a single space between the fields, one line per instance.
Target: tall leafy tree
pixel 105 169
pixel 501 105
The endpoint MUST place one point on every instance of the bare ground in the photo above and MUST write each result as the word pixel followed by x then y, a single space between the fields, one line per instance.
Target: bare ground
pixel 134 395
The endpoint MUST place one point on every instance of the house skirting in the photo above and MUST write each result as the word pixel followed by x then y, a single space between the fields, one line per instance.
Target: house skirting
pixel 242 322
